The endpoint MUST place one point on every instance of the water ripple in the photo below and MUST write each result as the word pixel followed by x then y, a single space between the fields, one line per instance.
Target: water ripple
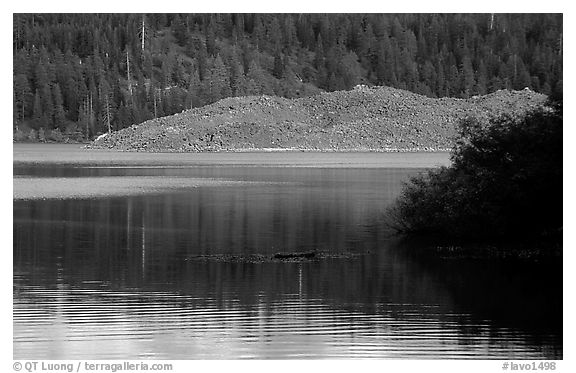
pixel 150 324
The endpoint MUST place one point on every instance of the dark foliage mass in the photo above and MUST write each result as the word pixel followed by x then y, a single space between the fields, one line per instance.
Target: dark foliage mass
pixel 83 74
pixel 505 181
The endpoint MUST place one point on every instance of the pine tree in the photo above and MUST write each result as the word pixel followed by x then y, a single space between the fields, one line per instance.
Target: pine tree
pixel 42 85
pixel 179 75
pixel 219 82
pixel 123 117
pixel 147 66
pixel 257 80
pixel 180 30
pixel 335 83
pixel 167 70
pixel 194 90
pixel 278 70
pixel 241 86
pixel 350 70
pixel 319 53
pixel 275 34
pixel 211 48
pixel 37 112
pixel 289 32
pixel 47 106
pixel 468 81
pixel 106 103
pixel 202 59
pixel 236 73
pixel 59 117
pixel 22 96
pixel 259 32
pixel 481 82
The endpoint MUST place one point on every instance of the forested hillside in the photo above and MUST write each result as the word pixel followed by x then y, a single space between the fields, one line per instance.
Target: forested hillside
pixel 78 75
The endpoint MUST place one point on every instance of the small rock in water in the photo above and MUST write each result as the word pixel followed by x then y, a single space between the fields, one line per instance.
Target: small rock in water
pixel 307 255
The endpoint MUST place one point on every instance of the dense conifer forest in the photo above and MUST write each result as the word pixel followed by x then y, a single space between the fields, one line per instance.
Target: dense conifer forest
pixel 79 75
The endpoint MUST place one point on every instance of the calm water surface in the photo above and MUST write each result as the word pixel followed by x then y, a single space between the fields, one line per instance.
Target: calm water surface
pixel 104 264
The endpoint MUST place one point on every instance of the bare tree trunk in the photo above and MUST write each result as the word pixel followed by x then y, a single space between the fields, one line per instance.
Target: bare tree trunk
pixel 87 115
pixel 143 32
pixel 91 118
pixel 128 72
pixel 108 113
pixel 155 112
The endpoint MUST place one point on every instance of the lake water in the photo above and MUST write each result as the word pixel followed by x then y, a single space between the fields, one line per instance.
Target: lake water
pixel 127 256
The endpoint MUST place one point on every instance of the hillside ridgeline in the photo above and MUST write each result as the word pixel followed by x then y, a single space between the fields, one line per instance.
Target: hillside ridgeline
pixel 365 118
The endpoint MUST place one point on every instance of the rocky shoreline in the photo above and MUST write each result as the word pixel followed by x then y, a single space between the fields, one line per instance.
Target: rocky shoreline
pixel 381 119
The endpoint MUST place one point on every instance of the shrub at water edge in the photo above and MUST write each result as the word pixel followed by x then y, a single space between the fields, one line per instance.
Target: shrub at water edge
pixel 505 181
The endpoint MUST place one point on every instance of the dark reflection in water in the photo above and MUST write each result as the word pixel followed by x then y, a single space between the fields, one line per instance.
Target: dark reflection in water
pixel 109 277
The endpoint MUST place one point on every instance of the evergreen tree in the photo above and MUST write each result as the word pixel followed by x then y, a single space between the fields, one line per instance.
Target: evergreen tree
pixel 278 70
pixel 218 85
pixel 180 30
pixel 257 80
pixel 194 90
pixel 167 68
pixel 22 97
pixel 468 81
pixel 481 83
pixel 211 47
pixel 106 105
pixel 37 112
pixel 350 70
pixel 59 116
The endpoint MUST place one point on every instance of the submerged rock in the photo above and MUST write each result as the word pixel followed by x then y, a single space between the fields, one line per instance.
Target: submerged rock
pixel 287 257
pixel 308 255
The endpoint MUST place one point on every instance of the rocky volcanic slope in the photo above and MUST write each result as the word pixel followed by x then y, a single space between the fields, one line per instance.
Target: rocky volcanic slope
pixel 376 119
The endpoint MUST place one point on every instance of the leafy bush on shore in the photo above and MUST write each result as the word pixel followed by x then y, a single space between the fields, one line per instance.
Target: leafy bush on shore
pixel 505 181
